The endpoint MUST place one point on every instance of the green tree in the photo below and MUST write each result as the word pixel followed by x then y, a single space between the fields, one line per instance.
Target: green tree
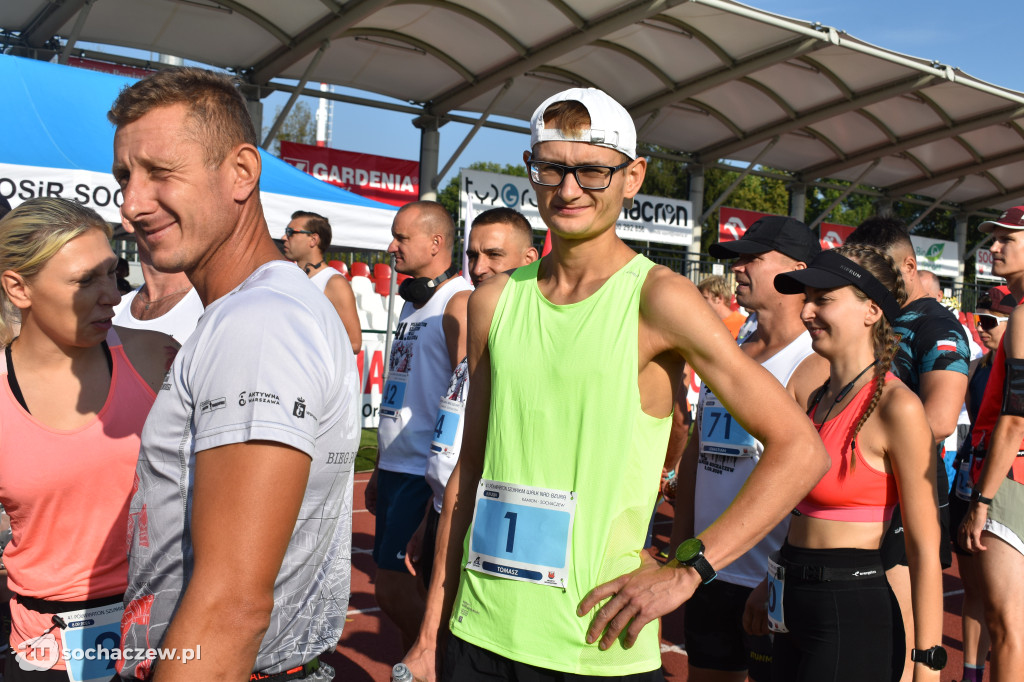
pixel 299 126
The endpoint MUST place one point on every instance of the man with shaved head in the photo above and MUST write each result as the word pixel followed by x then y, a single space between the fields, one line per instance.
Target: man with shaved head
pixel 429 342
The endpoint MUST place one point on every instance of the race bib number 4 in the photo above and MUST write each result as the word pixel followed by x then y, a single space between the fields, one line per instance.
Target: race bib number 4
pixel 393 398
pixel 447 431
pixel 722 435
pixel 522 533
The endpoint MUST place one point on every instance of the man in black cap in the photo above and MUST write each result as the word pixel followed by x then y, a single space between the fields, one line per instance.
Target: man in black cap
pixel 718 460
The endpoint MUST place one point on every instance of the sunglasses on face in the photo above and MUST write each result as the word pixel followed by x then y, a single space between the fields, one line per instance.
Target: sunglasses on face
pixel 989 322
pixel 288 232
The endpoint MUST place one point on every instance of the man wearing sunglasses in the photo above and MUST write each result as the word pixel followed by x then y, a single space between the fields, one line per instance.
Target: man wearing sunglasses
pixel 574 361
pixel 305 239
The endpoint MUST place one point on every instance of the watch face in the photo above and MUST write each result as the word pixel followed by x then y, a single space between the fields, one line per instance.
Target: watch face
pixel 689 549
pixel 938 658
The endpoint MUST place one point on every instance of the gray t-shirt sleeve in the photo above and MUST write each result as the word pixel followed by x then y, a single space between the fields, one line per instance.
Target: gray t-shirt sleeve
pixel 252 382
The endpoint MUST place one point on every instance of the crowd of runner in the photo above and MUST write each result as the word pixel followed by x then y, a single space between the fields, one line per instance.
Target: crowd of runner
pixel 829 441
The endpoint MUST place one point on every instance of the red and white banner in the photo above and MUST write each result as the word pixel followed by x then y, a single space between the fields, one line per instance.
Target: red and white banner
pixel 983 266
pixel 733 222
pixel 109 67
pixel 381 178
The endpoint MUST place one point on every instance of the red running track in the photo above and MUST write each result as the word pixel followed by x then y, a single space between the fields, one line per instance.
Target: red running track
pixel 370 644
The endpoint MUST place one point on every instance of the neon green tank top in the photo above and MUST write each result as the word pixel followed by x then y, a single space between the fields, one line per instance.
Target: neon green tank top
pixel 565 415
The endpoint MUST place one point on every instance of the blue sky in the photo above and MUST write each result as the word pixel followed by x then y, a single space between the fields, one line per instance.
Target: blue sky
pixel 952 32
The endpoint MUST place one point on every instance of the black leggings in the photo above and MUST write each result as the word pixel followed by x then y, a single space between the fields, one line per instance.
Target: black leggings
pixel 839 630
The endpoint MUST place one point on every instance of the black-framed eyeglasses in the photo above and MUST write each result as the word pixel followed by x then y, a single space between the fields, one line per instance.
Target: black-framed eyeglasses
pixel 989 322
pixel 288 232
pixel 549 174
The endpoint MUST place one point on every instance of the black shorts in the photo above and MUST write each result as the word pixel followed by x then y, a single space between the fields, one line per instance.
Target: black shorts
pixel 465 662
pixel 894 549
pixel 840 630
pixel 715 639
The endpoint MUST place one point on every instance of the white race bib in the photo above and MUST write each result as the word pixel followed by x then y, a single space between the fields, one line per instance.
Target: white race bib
pixel 720 434
pixel 446 428
pixel 776 588
pixel 90 640
pixel 522 533
pixel 392 399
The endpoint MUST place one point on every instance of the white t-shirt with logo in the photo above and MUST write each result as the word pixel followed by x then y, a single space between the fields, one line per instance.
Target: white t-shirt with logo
pixel 268 361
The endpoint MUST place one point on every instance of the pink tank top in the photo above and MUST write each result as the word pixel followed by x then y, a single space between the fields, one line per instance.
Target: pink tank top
pixel 845 493
pixel 67 494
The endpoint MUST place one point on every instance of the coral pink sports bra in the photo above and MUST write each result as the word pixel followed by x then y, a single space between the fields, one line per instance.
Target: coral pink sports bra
pixel 850 492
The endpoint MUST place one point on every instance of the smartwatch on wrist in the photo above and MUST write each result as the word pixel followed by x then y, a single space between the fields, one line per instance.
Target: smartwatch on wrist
pixel 691 553
pixel 976 496
pixel 934 658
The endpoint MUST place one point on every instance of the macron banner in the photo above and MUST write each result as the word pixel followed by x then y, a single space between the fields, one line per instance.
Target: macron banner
pixel 651 219
pixel 381 178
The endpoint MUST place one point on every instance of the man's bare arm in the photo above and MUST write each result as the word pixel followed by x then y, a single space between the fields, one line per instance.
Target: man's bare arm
pixel 339 293
pixel 460 493
pixel 455 330
pixel 942 393
pixel 793 460
pixel 239 542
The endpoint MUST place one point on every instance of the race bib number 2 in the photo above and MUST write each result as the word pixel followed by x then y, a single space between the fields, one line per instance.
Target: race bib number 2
pixel 90 636
pixel 522 533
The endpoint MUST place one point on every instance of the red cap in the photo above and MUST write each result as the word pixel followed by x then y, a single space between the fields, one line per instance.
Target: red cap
pixel 1012 219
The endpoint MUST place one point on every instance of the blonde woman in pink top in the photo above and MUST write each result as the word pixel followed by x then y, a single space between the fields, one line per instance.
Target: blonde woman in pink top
pixel 73 399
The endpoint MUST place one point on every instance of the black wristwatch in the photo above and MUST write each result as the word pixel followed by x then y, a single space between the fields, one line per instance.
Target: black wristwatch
pixel 934 658
pixel 691 553
pixel 976 496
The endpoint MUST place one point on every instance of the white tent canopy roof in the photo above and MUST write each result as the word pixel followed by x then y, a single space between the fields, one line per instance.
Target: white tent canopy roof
pixel 710 79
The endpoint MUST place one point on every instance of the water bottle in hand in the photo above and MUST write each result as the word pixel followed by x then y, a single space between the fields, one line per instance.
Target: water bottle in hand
pixel 400 673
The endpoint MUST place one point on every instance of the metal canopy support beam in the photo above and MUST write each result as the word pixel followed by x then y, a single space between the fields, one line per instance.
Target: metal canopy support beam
pixel 45 24
pixel 476 127
pixel 295 94
pixel 934 205
pixel 697 200
pixel 76 31
pixel 310 39
pixel 430 142
pixel 841 197
pixel 736 183
pixel 969 125
pixel 863 99
pixel 957 173
pixel 798 200
pixel 727 73
pixel 960 232
pixel 556 47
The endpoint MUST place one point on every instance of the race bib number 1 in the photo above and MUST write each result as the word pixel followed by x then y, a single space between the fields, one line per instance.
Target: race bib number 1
pixel 722 435
pixel 522 533
pixel 393 398
pixel 91 639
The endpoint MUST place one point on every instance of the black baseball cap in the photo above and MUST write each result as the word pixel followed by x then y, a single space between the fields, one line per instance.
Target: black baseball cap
pixel 786 235
pixel 830 270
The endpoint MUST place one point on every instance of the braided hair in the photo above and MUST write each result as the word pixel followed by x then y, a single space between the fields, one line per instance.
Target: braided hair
pixel 886 340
